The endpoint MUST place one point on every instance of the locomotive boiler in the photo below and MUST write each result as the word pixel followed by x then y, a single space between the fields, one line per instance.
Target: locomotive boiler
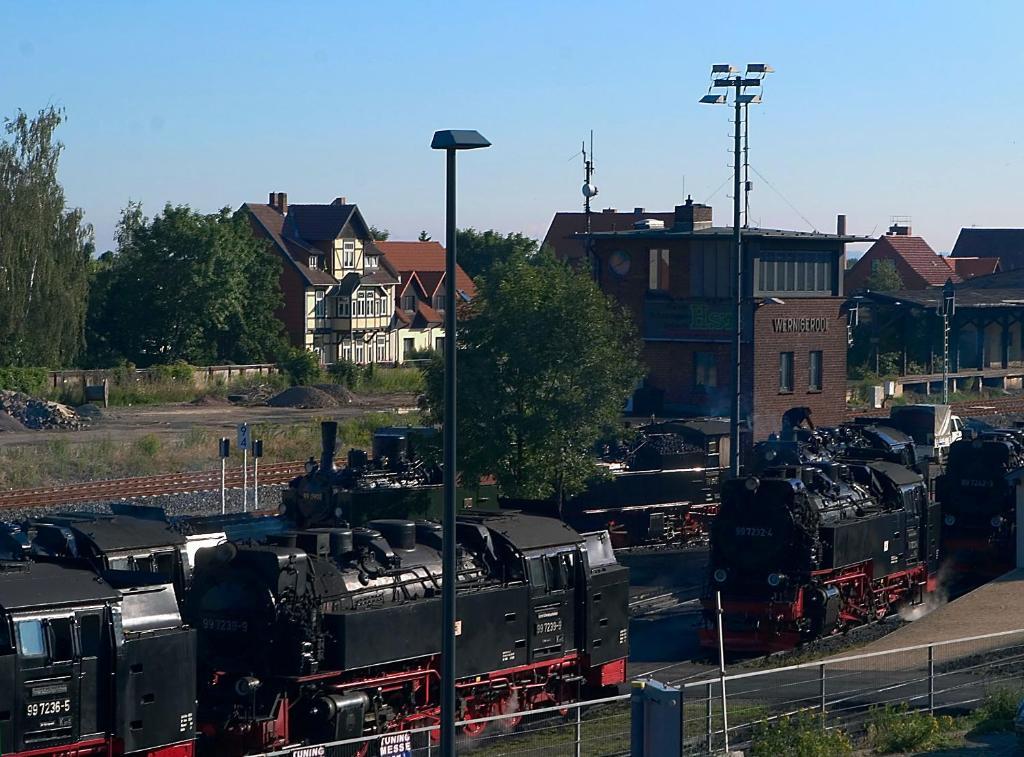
pixel 330 633
pixel 979 502
pixel 804 551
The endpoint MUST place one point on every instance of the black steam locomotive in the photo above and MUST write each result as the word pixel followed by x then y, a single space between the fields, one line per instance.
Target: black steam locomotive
pixel 978 494
pixel 91 665
pixel 400 480
pixel 331 633
pixel 803 551
pixel 307 631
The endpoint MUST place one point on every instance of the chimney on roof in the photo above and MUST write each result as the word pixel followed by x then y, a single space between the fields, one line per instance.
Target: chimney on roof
pixel 340 201
pixel 841 224
pixel 692 216
pixel 279 202
pixel 900 226
pixel 638 211
pixel 609 210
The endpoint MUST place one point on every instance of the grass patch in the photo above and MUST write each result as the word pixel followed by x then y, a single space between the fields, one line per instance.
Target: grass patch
pixel 799 736
pixel 900 729
pixel 65 460
pixel 604 730
pixel 374 380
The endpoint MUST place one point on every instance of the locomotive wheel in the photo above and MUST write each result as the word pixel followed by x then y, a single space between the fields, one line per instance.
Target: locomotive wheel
pixel 505 706
pixel 473 730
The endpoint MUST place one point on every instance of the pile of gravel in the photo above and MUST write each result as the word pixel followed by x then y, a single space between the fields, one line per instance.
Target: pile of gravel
pixel 89 410
pixel 38 414
pixel 10 423
pixel 340 392
pixel 302 397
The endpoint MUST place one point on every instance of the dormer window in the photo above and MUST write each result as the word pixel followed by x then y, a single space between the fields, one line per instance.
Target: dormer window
pixel 371 261
pixel 313 262
pixel 409 302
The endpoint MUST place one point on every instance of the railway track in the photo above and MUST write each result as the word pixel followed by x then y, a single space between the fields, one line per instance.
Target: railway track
pixel 145 486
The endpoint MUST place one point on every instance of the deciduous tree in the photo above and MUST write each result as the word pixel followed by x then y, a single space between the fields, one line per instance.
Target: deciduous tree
pixel 546 361
pixel 884 278
pixel 185 286
pixel 45 249
pixel 480 250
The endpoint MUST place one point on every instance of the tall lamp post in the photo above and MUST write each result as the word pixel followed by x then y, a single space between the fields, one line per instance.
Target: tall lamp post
pixel 726 76
pixel 947 309
pixel 450 140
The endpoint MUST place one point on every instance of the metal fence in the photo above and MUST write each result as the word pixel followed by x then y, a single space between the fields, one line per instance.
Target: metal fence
pixel 596 728
pixel 946 677
pixel 943 677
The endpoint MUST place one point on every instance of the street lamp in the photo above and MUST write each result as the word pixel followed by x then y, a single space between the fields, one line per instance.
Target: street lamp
pixel 726 76
pixel 947 309
pixel 450 141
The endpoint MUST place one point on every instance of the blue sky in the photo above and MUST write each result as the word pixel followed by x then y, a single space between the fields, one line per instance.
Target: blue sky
pixel 875 109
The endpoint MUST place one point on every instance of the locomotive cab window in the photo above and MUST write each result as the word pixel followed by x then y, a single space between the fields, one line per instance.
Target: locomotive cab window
pixel 89 635
pixel 6 642
pixel 31 638
pixel 62 647
pixel 553 572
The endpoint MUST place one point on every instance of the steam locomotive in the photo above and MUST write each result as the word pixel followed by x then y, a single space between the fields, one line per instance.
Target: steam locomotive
pixel 305 630
pixel 803 551
pixel 92 665
pixel 662 488
pixel 978 495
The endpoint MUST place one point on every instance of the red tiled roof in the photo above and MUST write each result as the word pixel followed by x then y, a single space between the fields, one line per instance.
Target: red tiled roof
pixel 916 254
pixel 968 268
pixel 426 260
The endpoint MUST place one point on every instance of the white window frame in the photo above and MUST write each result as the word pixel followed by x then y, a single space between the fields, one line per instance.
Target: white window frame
pixel 348 253
pixel 319 304
pixel 313 261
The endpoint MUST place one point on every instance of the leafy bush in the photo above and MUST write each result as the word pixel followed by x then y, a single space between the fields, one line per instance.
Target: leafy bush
pixel 32 381
pixel 799 736
pixel 343 372
pixel 176 372
pixel 997 711
pixel 148 445
pixel 900 729
pixel 301 366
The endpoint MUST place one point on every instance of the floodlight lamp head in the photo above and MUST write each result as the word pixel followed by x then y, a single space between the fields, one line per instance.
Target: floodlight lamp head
pixel 759 68
pixel 723 68
pixel 458 139
pixel 713 99
pixel 749 99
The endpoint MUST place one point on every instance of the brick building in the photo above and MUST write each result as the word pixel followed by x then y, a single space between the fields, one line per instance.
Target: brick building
pixel 677 279
pixel 918 265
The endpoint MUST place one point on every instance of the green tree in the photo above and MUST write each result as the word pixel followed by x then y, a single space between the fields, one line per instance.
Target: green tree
pixel 884 278
pixel 424 236
pixel 546 361
pixel 379 235
pixel 44 249
pixel 480 250
pixel 185 286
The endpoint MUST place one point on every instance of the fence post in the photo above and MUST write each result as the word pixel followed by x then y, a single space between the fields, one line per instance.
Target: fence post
pixel 931 679
pixel 821 691
pixel 710 724
pixel 579 731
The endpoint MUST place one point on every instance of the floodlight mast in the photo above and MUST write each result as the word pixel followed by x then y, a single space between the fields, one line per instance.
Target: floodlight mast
pixel 733 80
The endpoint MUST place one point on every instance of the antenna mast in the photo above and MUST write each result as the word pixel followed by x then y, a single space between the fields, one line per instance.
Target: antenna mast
pixel 589 191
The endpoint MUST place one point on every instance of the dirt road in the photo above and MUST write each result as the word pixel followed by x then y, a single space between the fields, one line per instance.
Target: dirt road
pixel 130 422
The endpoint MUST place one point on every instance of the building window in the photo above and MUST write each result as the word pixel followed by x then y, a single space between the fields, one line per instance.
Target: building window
pixel 439 344
pixel 320 309
pixel 346 352
pixel 785 371
pixel 348 253
pixel 705 369
pixel 370 261
pixel 711 265
pixel 409 302
pixel 313 262
pixel 658 270
pixel 342 308
pixel 814 371
pixel 382 348
pixel 408 345
pixel 787 272
pixel 439 302
pixel 360 352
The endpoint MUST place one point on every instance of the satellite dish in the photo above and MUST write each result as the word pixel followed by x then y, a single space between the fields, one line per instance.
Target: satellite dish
pixel 589 190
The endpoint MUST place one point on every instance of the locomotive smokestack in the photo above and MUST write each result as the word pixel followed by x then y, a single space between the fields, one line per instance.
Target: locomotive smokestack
pixel 329 437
